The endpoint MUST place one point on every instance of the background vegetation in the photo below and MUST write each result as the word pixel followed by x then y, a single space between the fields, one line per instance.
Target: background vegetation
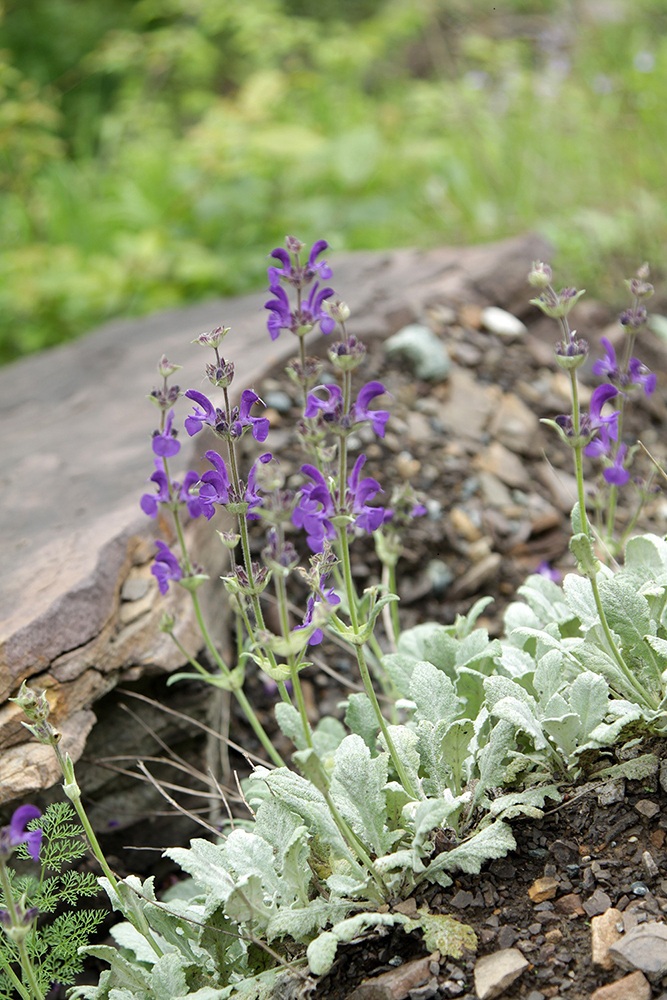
pixel 152 150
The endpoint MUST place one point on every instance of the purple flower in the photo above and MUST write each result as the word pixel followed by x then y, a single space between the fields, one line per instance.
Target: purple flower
pixel 315 506
pixel 330 406
pixel 546 569
pixel 215 484
pixel 302 319
pixel 206 413
pixel 637 373
pixel 359 492
pixel 292 272
pixel 616 474
pixel 150 502
pixel 378 418
pixel 594 421
pixel 258 425
pixel 17 833
pixel 165 567
pixel 640 375
pixel 216 487
pixel 164 443
pixel 314 509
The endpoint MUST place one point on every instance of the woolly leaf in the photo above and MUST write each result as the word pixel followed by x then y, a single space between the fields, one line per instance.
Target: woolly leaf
pixel 357 788
pixel 433 693
pixel 360 718
pixel 492 841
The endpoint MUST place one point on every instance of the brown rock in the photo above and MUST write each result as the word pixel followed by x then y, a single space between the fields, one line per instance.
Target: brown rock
pixel 543 888
pixel 496 972
pixel 605 932
pixel 395 984
pixel 570 905
pixel 633 987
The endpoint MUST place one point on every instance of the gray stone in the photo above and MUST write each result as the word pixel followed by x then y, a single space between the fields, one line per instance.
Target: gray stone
pixel 495 973
pixel 643 948
pixel 423 350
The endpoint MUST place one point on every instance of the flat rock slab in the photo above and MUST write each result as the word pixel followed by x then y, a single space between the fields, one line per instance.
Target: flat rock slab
pixel 79 610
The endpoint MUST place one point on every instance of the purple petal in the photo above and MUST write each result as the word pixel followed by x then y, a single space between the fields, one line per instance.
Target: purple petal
pixel 19 821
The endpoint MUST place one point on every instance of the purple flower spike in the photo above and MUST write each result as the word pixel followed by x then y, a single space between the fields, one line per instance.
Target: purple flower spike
pixel 608 366
pixel 165 444
pixel 204 413
pixel 214 485
pixel 149 502
pixel 360 491
pixel 616 474
pixel 259 425
pixel 600 396
pixel 640 375
pixel 165 567
pixel 17 833
pixel 329 406
pixel 378 418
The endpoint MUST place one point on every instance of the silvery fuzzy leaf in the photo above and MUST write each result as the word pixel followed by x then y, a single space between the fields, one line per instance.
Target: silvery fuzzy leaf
pixel 427 817
pixel 434 767
pixel 529 802
pixel 470 689
pixel 565 732
pixel 399 667
pixel 204 862
pixel 248 902
pixel 519 616
pixel 455 745
pixel 597 661
pixel 327 735
pixel 288 837
pixel 588 696
pixel 244 852
pixel 580 599
pixel 646 555
pixel 406 743
pixel 659 645
pixel 433 693
pixel 357 788
pixel 322 951
pixel 496 688
pixel 478 652
pixel 304 799
pixel 464 624
pixel 492 759
pixel 607 733
pixel 129 939
pixel 405 860
pixel 413 641
pixel 522 717
pixel 628 615
pixel 545 599
pixel 550 674
pixel 126 976
pixel 516 662
pixel 168 978
pixel 300 923
pixel 492 841
pixel 290 724
pixel 360 718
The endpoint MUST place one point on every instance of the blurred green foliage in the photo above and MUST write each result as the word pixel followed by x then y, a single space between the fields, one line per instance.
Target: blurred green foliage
pixel 152 151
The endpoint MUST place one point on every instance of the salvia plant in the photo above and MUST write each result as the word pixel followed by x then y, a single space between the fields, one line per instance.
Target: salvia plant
pixel 451 735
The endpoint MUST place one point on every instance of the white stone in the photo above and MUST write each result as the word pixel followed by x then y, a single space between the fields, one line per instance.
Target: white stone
pixel 495 973
pixel 503 323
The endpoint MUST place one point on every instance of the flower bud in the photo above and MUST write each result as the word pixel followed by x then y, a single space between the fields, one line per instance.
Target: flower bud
pixel 165 367
pixel 213 337
pixel 221 373
pixel 337 309
pixel 293 245
pixel 540 275
pixel 571 353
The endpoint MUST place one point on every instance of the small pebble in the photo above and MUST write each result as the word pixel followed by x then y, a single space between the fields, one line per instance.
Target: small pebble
pixel 502 323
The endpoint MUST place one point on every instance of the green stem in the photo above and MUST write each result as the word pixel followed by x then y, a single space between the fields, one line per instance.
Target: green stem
pixel 24 958
pixel 363 666
pixel 354 842
pixel 11 975
pixel 281 597
pixel 585 526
